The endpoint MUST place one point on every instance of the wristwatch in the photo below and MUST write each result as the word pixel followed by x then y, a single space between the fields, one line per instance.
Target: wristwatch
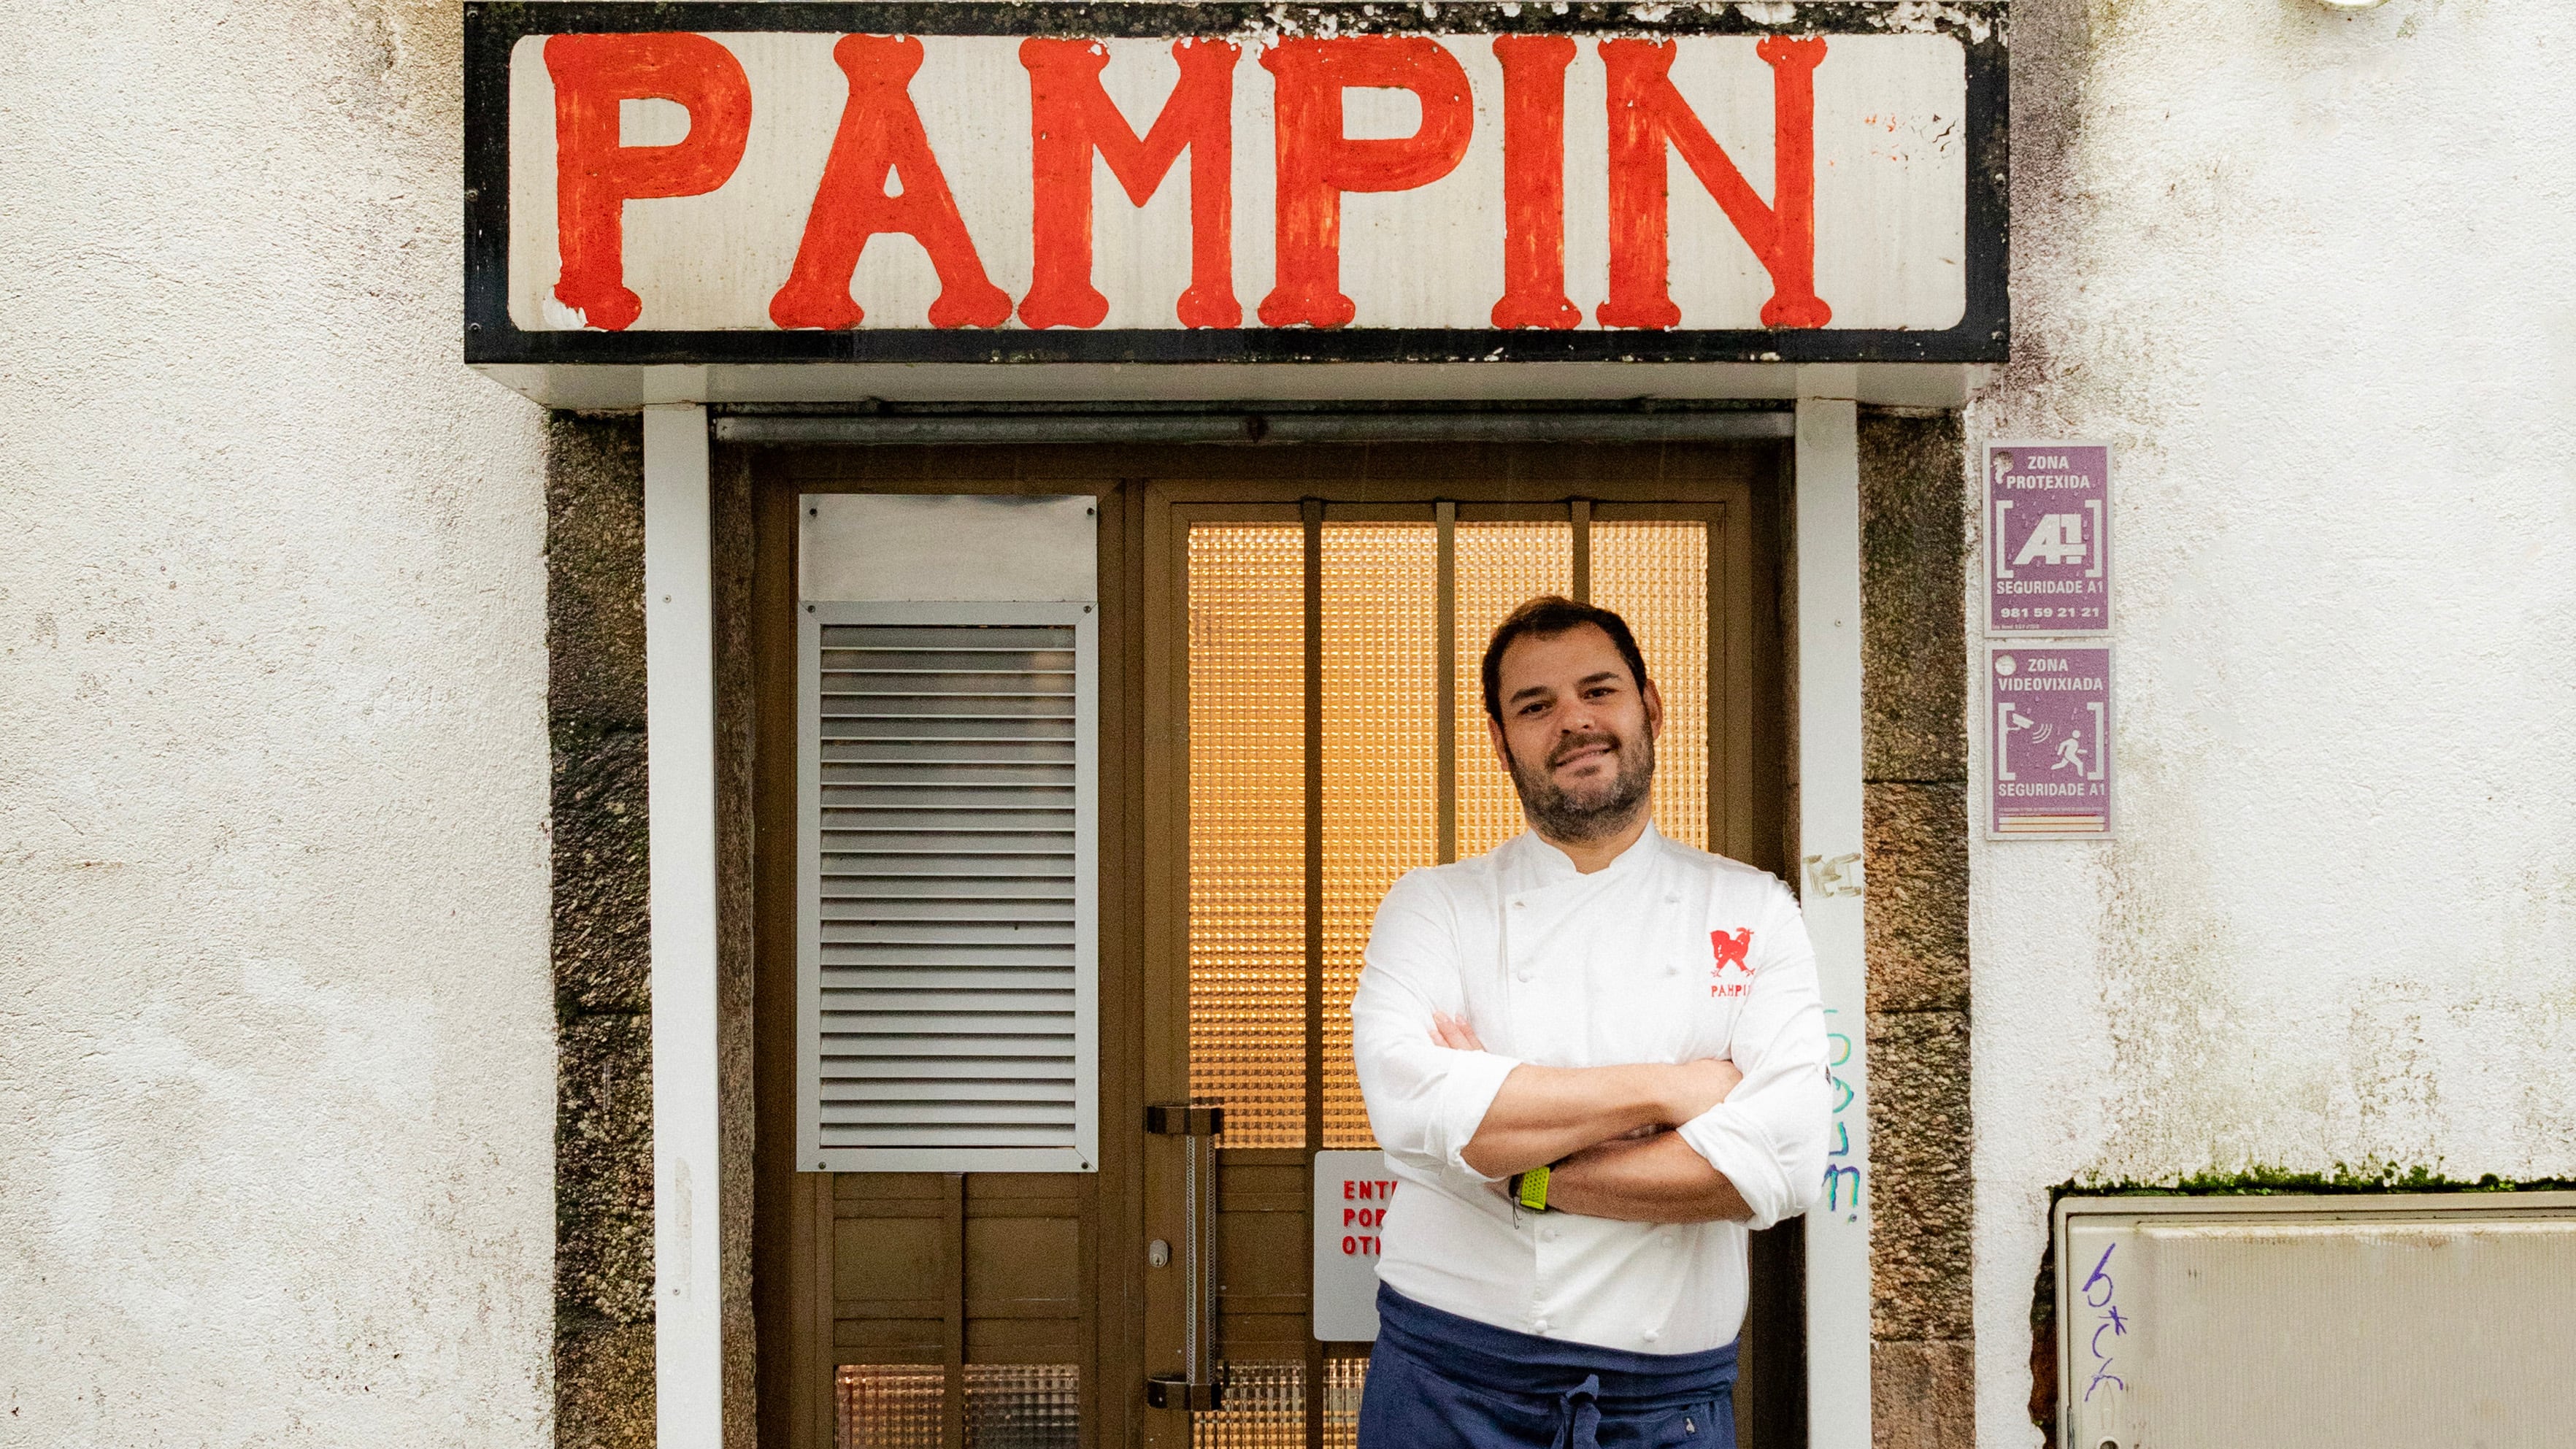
pixel 1529 1189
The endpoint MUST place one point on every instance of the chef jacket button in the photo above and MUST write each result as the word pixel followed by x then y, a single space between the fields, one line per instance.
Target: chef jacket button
pixel 1520 976
pixel 1547 1235
pixel 1538 1325
pixel 1651 1335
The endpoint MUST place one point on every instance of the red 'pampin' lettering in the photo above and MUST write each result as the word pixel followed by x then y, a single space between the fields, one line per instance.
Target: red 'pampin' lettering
pixel 1534 181
pixel 881 136
pixel 1071 116
pixel 1646 114
pixel 1317 163
pixel 595 176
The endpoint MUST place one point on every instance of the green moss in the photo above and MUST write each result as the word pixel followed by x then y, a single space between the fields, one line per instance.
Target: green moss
pixel 2261 1181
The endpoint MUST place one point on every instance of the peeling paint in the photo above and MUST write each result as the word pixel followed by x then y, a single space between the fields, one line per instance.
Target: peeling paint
pixel 1937 15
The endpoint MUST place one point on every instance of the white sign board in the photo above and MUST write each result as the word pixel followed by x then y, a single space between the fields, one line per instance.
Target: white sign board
pixel 756 183
pixel 1352 1190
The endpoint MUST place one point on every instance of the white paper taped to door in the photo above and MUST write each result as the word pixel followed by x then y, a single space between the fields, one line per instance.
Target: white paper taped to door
pixel 1352 1190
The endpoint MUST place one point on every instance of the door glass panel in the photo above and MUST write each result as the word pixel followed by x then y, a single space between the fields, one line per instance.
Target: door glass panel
pixel 1343 1380
pixel 889 1406
pixel 1265 1408
pixel 1381 705
pixel 1023 1406
pixel 1008 1406
pixel 1655 576
pixel 1501 566
pixel 1247 826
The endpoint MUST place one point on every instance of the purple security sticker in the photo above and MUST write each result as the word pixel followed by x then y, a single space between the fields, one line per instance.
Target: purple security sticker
pixel 2048 541
pixel 2048 742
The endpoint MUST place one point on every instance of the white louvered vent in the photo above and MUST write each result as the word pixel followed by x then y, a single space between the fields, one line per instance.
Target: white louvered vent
pixel 949 956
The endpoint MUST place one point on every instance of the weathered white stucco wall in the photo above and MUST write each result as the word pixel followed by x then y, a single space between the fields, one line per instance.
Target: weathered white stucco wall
pixel 276 1070
pixel 2310 274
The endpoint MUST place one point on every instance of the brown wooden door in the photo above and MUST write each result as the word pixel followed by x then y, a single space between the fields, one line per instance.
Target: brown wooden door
pixel 1290 718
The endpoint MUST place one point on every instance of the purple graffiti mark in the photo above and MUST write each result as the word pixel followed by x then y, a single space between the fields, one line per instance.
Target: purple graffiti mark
pixel 2112 1322
pixel 1834 1186
pixel 2101 1276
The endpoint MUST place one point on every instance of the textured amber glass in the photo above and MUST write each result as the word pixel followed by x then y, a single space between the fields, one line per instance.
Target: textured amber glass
pixel 1265 1408
pixel 1500 567
pixel 1381 703
pixel 1248 829
pixel 1344 1378
pixel 889 1406
pixel 1008 1406
pixel 1655 576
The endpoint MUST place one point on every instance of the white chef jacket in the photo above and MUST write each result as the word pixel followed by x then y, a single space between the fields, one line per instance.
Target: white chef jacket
pixel 1643 960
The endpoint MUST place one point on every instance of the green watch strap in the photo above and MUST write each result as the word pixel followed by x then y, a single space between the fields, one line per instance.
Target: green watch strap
pixel 1529 1189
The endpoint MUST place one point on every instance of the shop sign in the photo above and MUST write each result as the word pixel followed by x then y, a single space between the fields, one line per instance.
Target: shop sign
pixel 2048 741
pixel 1352 1192
pixel 676 183
pixel 2048 538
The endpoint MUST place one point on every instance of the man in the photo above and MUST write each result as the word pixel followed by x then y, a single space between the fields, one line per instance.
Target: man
pixel 1595 1059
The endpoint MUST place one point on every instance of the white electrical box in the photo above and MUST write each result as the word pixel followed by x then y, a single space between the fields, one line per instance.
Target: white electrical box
pixel 2331 1321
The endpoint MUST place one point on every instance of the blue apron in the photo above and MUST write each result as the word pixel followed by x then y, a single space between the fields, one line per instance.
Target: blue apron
pixel 1439 1381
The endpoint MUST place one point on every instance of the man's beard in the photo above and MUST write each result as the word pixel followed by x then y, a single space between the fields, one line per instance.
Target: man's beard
pixel 1600 811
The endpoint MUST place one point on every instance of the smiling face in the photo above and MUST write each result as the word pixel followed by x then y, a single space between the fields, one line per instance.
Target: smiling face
pixel 1577 733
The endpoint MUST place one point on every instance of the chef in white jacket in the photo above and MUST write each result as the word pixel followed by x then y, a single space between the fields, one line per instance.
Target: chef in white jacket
pixel 1596 1060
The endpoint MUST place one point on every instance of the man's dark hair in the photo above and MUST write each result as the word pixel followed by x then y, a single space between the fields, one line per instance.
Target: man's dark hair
pixel 1545 617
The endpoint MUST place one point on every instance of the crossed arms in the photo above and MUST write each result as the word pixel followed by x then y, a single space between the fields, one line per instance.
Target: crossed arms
pixel 1749 1148
pixel 1605 1128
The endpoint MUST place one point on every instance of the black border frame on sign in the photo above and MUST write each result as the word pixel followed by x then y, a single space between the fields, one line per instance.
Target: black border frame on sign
pixel 494 27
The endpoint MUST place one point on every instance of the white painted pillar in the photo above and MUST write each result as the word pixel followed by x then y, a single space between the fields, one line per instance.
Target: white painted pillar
pixel 1829 888
pixel 680 744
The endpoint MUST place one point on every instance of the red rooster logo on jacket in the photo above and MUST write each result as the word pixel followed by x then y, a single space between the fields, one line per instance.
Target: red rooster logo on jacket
pixel 1732 974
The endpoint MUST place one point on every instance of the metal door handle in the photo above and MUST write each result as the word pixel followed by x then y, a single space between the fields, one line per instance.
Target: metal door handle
pixel 1170 1391
pixel 1197 1125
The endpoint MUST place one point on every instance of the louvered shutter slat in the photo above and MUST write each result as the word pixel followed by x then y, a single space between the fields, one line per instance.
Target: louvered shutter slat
pixel 1016 1070
pixel 1026 907
pixel 941 978
pixel 947 922
pixel 922 865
